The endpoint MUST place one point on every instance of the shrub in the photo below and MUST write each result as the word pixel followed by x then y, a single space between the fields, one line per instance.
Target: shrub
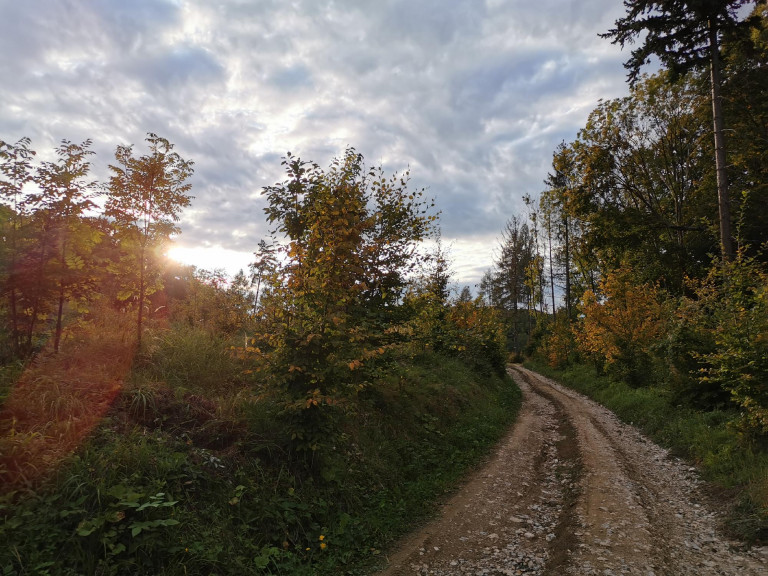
pixel 621 327
pixel 737 294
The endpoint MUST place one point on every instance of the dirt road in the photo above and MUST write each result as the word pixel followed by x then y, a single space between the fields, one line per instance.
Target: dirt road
pixel 571 490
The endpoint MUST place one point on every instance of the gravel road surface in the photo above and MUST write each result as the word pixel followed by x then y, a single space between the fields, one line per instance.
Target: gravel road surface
pixel 571 490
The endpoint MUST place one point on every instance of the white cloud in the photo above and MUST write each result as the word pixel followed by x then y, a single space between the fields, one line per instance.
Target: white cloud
pixel 473 96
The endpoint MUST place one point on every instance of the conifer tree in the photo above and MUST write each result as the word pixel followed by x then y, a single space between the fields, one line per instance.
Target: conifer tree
pixel 686 35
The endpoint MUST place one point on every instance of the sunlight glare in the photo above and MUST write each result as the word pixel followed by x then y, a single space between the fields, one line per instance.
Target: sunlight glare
pixel 211 258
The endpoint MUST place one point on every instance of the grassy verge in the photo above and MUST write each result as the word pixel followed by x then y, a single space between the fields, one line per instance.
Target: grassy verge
pixel 190 474
pixel 705 438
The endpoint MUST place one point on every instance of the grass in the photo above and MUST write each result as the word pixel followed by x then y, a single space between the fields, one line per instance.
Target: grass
pixel 191 472
pixel 708 439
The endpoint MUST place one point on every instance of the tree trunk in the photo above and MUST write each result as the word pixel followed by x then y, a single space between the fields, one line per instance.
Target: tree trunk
pixel 567 271
pixel 726 244
pixel 551 272
pixel 15 324
pixel 142 290
pixel 60 311
pixel 59 314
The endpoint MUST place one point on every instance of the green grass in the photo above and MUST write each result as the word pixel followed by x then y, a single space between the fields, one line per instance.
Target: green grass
pixel 9 374
pixel 192 472
pixel 708 439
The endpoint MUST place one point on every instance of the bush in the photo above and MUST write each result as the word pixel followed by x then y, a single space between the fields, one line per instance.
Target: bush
pixel 737 293
pixel 621 327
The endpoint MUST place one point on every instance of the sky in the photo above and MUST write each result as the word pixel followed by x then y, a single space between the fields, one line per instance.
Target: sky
pixel 472 96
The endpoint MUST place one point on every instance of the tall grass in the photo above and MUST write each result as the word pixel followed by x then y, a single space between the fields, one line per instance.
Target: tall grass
pixel 190 473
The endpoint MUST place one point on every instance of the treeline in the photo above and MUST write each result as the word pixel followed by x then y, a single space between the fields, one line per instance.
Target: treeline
pixel 294 419
pixel 343 289
pixel 69 241
pixel 346 292
pixel 622 261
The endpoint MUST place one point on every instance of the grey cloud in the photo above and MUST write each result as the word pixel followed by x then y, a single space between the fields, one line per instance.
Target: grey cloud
pixel 292 77
pixel 178 67
pixel 474 96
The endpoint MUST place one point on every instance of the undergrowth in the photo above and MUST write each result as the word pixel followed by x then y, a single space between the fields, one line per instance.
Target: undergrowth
pixel 710 439
pixel 192 472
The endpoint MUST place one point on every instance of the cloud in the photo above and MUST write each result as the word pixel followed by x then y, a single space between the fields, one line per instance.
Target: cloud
pixel 472 96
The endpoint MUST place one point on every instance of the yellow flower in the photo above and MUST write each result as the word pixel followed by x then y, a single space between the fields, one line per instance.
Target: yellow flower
pixel 322 537
pixel 322 545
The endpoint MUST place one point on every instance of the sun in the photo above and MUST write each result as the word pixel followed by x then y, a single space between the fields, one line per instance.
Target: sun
pixel 211 258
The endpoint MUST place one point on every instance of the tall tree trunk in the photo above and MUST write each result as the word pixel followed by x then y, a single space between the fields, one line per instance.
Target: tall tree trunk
pixel 59 314
pixel 567 271
pixel 16 225
pixel 15 324
pixel 38 297
pixel 726 244
pixel 551 272
pixel 60 311
pixel 142 290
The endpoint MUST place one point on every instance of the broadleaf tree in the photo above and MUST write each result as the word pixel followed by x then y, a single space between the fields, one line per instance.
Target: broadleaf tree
pixel 63 198
pixel 686 35
pixel 344 242
pixel 15 173
pixel 145 197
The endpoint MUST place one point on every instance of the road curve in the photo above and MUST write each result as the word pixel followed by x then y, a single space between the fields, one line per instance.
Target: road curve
pixel 571 490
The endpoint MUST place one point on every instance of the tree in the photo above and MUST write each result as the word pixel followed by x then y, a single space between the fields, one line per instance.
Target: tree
pixel 686 35
pixel 746 113
pixel 619 326
pixel 15 174
pixel 438 276
pixel 641 168
pixel 261 267
pixel 488 289
pixel 562 183
pixel 62 200
pixel 516 254
pixel 465 295
pixel 344 242
pixel 145 196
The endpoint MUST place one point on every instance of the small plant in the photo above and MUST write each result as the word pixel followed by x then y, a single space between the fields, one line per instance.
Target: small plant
pixel 130 522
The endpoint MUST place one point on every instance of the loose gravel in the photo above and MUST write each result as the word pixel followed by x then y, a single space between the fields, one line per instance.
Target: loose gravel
pixel 572 490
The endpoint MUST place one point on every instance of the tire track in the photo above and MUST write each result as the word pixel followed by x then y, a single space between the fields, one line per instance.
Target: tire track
pixel 661 528
pixel 571 490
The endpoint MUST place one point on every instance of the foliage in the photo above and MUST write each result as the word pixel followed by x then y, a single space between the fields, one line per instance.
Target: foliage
pixel 154 492
pixel 678 33
pixel 689 339
pixel 209 300
pixel 64 241
pixel 558 345
pixel 330 306
pixel 619 328
pixel 746 113
pixel 640 171
pixel 739 362
pixel 145 196
pixel 479 335
pixel 55 259
pixel 686 35
pixel 469 330
pixel 16 172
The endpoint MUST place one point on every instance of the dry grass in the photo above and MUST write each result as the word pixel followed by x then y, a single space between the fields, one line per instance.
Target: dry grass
pixel 61 397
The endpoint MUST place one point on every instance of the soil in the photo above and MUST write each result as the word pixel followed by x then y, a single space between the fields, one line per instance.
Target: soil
pixel 572 490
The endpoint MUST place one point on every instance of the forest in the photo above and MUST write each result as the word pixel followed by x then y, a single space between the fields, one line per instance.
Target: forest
pixel 158 418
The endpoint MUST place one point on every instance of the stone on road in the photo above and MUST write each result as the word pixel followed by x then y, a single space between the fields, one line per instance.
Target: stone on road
pixel 571 490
